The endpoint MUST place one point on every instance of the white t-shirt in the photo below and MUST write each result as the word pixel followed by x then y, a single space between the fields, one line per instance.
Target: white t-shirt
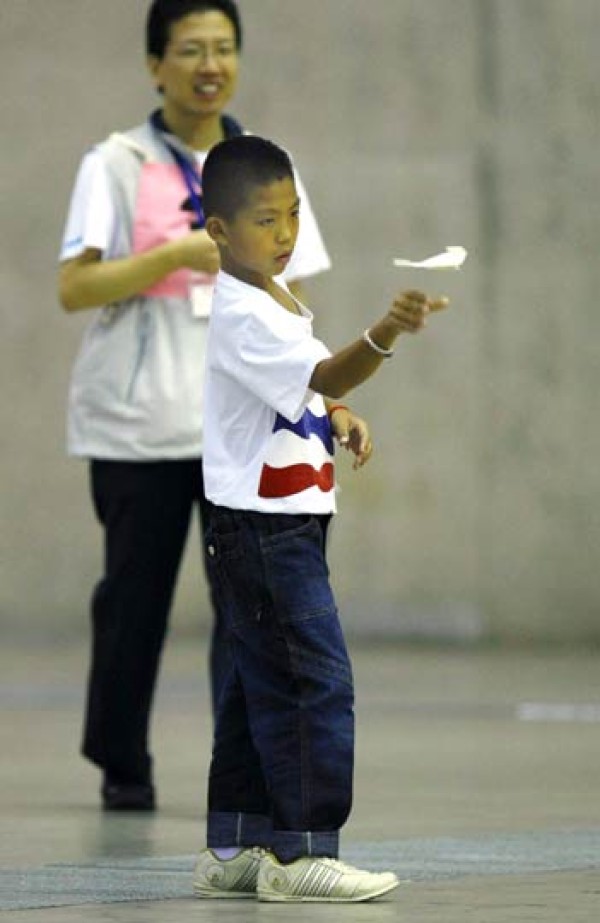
pixel 91 221
pixel 267 438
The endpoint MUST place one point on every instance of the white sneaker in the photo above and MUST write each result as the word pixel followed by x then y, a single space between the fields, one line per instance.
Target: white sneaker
pixel 227 878
pixel 319 879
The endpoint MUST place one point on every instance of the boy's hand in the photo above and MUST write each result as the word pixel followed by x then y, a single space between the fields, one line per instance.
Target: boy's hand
pixel 410 309
pixel 352 433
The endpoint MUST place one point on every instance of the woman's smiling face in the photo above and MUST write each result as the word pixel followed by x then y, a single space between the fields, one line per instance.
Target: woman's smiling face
pixel 198 71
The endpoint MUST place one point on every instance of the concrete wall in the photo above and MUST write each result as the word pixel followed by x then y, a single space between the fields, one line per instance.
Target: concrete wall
pixel 416 123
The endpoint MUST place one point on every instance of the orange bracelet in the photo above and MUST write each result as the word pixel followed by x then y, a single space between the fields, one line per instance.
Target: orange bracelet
pixel 335 407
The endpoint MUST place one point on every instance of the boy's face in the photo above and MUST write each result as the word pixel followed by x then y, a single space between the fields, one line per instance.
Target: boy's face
pixel 198 72
pixel 258 242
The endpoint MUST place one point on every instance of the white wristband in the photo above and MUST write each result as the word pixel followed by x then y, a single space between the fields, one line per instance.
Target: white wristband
pixel 381 350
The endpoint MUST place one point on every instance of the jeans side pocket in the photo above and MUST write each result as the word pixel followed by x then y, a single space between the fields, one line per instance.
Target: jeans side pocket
pixel 297 572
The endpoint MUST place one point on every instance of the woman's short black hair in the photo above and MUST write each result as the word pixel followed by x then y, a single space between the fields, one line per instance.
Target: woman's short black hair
pixel 235 167
pixel 163 13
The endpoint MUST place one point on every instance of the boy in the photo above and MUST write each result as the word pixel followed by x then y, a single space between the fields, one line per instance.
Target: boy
pixel 280 782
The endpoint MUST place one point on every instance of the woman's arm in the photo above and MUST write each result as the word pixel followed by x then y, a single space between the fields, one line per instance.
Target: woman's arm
pixel 88 281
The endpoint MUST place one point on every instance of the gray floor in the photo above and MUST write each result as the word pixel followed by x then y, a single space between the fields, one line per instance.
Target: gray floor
pixel 477 781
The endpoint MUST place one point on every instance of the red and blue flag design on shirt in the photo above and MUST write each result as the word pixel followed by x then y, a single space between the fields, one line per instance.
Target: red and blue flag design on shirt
pixel 299 456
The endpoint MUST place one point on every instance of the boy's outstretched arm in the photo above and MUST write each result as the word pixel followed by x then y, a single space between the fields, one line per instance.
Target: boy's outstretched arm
pixel 355 363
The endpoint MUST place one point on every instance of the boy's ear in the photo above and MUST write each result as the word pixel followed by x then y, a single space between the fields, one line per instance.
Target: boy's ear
pixel 217 230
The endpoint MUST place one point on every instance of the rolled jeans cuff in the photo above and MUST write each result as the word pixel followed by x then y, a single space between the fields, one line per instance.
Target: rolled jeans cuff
pixel 288 845
pixel 226 829
pixel 233 828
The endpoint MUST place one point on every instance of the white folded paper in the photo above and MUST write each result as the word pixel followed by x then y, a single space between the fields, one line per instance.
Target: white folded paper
pixel 451 258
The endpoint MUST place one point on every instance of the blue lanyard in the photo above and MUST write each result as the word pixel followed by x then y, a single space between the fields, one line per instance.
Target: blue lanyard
pixel 192 181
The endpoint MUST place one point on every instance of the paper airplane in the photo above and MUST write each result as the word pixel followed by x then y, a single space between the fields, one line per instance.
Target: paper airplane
pixel 451 258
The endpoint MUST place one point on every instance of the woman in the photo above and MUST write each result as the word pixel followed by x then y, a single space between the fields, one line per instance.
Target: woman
pixel 135 248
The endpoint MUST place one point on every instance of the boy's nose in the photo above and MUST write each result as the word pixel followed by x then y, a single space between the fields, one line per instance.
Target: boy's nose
pixel 285 231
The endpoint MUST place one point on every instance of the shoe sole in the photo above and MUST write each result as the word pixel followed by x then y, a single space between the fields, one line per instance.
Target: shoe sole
pixel 132 806
pixel 202 893
pixel 273 897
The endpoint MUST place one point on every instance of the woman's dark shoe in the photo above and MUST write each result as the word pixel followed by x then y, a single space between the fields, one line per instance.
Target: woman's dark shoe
pixel 120 796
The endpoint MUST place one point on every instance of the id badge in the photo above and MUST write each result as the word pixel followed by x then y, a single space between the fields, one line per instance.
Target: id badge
pixel 201 299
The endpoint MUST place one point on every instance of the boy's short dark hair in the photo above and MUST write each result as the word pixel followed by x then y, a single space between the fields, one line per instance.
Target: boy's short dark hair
pixel 236 166
pixel 163 13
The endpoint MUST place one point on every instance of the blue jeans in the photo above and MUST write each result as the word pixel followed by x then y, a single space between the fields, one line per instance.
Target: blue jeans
pixel 282 765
